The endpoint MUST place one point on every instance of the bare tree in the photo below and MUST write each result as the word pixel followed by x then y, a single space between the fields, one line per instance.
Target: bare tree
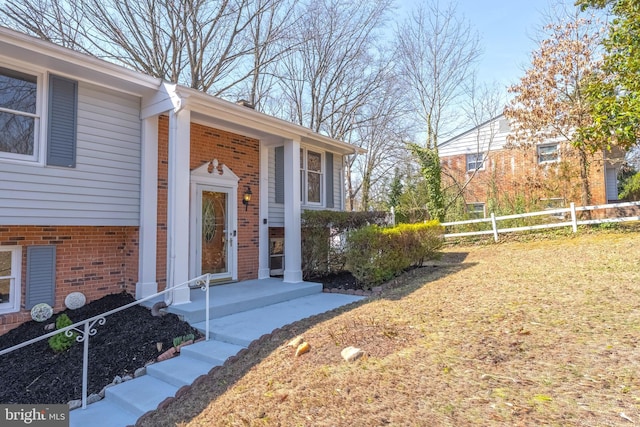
pixel 335 80
pixel 436 53
pixel 197 43
pixel 56 21
pixel 269 36
pixel 333 70
pixel 483 108
pixel 381 131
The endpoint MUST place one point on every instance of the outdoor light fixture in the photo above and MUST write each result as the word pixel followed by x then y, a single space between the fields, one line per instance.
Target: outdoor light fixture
pixel 246 198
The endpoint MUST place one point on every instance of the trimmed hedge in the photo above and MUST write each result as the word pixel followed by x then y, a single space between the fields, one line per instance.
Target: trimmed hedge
pixel 322 236
pixel 375 254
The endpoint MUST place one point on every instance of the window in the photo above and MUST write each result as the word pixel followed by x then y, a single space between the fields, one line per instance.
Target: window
pixel 22 115
pixel 276 255
pixel 475 162
pixel 547 153
pixel 19 119
pixel 475 210
pixel 310 177
pixel 10 264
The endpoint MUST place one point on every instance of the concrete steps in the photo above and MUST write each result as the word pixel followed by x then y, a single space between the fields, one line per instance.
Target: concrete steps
pixel 243 328
pixel 245 321
pixel 241 297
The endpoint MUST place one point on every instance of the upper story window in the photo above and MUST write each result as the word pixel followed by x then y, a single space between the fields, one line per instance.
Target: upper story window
pixel 310 177
pixel 19 118
pixel 548 153
pixel 475 161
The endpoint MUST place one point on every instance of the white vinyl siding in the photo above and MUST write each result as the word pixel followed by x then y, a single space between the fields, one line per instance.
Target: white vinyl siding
pixel 276 210
pixel 103 188
pixel 337 182
pixel 488 137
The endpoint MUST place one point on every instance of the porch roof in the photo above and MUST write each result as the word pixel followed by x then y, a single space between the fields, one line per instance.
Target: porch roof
pixel 240 119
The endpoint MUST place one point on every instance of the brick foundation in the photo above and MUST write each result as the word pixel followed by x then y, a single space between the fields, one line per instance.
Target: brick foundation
pixel 96 261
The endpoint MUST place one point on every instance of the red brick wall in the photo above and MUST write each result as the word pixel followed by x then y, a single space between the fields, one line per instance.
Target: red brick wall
pixel 241 155
pixel 512 174
pixel 96 261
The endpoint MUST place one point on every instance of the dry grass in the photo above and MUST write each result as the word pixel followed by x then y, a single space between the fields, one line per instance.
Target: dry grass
pixel 522 333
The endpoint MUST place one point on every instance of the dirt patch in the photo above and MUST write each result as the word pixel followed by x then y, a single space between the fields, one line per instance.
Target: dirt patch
pixel 127 341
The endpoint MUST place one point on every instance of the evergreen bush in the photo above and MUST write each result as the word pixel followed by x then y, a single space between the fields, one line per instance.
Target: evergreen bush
pixel 61 342
pixel 631 188
pixel 375 254
pixel 323 235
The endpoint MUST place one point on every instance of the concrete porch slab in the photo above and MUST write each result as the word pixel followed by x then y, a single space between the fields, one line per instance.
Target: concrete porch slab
pixel 244 327
pixel 238 297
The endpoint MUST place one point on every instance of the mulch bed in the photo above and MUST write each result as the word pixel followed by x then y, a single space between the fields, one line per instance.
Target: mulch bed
pixel 343 280
pixel 127 341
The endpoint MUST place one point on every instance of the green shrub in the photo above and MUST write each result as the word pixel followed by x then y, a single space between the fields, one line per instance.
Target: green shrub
pixel 365 256
pixel 61 342
pixel 631 189
pixel 375 254
pixel 322 233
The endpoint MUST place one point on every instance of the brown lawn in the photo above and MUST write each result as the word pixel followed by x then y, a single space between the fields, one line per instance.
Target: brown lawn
pixel 542 332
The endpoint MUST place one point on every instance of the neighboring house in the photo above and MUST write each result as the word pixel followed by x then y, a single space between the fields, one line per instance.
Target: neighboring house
pixel 111 180
pixel 481 165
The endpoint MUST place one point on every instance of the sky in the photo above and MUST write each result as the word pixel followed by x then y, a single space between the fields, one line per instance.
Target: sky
pixel 506 29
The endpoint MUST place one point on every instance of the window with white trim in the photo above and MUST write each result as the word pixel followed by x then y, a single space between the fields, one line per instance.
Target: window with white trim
pixel 10 264
pixel 311 177
pixel 19 115
pixel 475 161
pixel 548 153
pixel 475 210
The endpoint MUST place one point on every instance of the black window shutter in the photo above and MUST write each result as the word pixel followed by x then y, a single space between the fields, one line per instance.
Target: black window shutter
pixel 41 275
pixel 279 174
pixel 62 123
pixel 329 179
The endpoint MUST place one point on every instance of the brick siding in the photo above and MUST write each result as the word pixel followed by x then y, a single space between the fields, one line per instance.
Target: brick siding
pixel 241 155
pixel 96 261
pixel 511 174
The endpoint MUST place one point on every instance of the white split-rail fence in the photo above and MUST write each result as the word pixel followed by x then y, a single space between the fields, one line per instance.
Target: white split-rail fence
pixel 557 213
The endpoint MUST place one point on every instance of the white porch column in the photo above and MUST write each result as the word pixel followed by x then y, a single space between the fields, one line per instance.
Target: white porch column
pixel 178 203
pixel 147 284
pixel 263 248
pixel 292 211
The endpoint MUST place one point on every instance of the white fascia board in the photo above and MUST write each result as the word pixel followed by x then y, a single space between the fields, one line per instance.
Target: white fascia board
pixel 69 63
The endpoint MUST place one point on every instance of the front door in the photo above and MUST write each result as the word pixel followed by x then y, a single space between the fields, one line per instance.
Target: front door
pixel 215 234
